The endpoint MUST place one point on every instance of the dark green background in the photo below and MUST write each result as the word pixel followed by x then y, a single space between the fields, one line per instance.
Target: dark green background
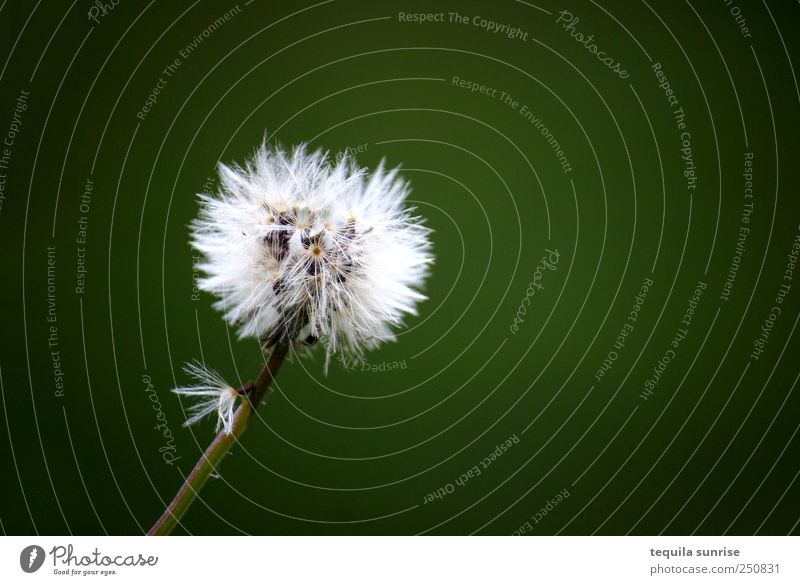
pixel 713 451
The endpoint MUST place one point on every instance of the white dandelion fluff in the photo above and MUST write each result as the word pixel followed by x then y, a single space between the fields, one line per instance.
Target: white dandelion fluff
pixel 215 396
pixel 299 247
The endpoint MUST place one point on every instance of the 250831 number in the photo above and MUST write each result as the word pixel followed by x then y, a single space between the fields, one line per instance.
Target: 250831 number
pixel 766 568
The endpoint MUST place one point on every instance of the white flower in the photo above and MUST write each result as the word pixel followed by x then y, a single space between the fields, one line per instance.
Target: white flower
pixel 300 247
pixel 217 396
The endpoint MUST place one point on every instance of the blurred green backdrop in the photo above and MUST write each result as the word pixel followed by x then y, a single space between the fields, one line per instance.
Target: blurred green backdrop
pixel 520 143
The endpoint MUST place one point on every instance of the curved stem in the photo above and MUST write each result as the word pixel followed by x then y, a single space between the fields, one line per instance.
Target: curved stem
pixel 221 444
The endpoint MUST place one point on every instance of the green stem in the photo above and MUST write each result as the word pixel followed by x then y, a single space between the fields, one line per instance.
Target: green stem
pixel 212 457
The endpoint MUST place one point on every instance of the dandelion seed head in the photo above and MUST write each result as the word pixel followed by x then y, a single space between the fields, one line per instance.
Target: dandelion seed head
pixel 298 246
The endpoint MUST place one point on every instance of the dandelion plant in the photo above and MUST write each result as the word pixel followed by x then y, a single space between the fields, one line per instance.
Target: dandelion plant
pixel 301 251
